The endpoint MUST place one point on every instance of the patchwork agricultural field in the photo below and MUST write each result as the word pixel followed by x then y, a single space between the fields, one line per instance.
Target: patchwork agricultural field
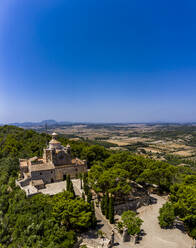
pixel 175 143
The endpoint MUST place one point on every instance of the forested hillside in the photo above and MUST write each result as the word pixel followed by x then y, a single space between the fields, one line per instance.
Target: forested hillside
pixel 44 221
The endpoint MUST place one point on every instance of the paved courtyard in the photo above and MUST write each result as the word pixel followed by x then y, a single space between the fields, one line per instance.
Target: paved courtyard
pixel 157 237
pixel 54 188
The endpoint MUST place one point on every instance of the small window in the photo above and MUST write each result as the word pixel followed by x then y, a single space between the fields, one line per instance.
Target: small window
pixel 40 173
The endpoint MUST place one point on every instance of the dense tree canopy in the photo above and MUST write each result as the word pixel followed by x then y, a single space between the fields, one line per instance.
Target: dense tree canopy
pixel 112 175
pixel 113 180
pixel 28 222
pixel 17 142
pixel 74 214
pixel 183 198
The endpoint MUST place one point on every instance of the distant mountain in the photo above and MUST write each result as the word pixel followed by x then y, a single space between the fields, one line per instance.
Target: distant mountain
pixel 40 124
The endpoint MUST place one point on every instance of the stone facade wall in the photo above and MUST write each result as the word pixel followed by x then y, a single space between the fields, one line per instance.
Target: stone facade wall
pixel 57 157
pixel 47 156
pixel 61 158
pixel 58 174
pixel 71 170
pixel 48 176
pixel 97 242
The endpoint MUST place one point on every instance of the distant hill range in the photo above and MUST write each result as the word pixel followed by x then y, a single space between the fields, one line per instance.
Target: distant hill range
pixel 53 123
pixel 44 123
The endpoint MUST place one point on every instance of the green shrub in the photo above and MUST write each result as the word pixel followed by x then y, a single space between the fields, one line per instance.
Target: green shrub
pixel 167 215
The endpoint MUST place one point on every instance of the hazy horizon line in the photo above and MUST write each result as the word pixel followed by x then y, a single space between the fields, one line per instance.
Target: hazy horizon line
pixel 97 122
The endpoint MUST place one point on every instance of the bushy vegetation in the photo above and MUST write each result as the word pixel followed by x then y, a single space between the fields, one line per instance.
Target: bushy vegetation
pixel 173 132
pixel 134 147
pixel 183 198
pixel 182 205
pixel 176 160
pixel 131 222
pixel 167 215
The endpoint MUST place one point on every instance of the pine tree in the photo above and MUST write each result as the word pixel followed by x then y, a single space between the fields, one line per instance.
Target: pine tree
pixel 93 219
pixel 85 182
pixel 68 182
pixel 89 197
pixel 70 185
pixel 111 210
pixel 103 205
pixel 106 206
pixel 71 189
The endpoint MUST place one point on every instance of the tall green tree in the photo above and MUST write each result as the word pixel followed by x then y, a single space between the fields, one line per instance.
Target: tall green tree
pixel 93 219
pixel 111 210
pixel 85 183
pixel 89 197
pixel 103 205
pixel 71 188
pixel 68 181
pixel 106 206
pixel 131 222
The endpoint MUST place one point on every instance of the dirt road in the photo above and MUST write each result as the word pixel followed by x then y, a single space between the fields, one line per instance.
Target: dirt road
pixel 155 236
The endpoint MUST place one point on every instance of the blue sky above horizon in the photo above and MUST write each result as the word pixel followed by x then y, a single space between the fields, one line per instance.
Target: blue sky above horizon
pixel 97 61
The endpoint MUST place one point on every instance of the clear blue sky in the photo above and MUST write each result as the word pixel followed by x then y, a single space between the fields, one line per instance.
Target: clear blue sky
pixel 97 60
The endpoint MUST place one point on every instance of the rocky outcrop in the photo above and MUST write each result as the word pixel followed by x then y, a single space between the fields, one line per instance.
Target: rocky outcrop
pixel 138 197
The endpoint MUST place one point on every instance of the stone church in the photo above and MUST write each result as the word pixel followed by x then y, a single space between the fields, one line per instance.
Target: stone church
pixel 55 165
